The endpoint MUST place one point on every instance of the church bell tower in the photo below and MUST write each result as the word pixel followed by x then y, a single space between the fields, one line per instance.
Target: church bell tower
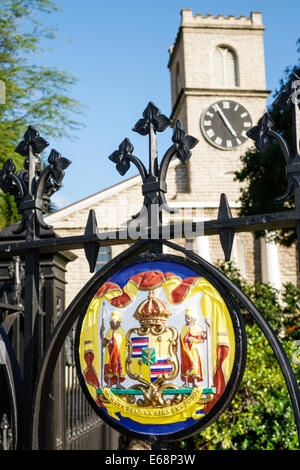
pixel 218 92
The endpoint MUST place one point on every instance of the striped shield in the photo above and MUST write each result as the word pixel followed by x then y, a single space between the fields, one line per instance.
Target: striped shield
pixel 160 367
pixel 138 344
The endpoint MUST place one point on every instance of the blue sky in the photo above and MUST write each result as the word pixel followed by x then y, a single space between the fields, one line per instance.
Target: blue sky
pixel 119 52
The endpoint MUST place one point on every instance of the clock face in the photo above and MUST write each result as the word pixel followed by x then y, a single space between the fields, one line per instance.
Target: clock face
pixel 225 123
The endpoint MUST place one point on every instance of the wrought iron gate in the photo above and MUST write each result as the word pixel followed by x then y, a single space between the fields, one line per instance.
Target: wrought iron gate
pixel 72 424
pixel 29 412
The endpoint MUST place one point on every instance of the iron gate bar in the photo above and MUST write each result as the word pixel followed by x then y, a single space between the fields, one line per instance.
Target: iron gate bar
pixel 15 308
pixel 249 223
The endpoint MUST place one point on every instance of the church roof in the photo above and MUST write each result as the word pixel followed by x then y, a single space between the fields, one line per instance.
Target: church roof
pixel 98 197
pixel 92 199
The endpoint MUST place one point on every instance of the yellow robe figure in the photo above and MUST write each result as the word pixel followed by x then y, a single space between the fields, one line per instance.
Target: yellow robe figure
pixel 191 337
pixel 115 353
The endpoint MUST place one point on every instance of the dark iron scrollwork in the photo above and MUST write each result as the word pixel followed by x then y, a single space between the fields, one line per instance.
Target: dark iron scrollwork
pixel 154 185
pixel 33 186
pixel 17 274
pixel 262 134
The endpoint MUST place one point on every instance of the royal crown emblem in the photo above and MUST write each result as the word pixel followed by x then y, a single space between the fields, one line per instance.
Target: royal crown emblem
pixel 152 311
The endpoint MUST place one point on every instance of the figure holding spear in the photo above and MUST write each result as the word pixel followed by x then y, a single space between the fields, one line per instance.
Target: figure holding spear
pixel 102 345
pixel 191 337
pixel 207 337
pixel 114 343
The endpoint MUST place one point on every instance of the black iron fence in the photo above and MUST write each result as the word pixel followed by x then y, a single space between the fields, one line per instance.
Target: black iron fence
pixel 72 424
pixel 81 422
pixel 44 369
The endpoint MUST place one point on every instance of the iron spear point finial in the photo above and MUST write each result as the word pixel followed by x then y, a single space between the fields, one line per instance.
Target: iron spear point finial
pixel 226 235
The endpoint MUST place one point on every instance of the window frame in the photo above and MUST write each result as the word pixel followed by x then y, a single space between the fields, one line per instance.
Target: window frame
pixel 224 49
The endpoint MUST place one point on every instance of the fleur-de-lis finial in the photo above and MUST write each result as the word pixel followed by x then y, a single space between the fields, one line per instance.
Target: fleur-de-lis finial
pixel 32 138
pixel 154 179
pixel 184 143
pixel 57 165
pixel 33 186
pixel 262 134
pixel 285 99
pixel 151 115
pixel 121 157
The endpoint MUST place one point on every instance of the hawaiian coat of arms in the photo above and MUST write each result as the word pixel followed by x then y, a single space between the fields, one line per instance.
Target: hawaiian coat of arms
pixel 156 348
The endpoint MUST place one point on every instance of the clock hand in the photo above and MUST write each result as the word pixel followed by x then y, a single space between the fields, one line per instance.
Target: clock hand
pixel 225 120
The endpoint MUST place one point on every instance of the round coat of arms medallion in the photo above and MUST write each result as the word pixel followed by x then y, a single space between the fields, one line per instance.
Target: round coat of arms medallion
pixel 160 349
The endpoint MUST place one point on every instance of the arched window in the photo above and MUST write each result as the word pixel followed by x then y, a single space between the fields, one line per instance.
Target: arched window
pixel 225 71
pixel 104 256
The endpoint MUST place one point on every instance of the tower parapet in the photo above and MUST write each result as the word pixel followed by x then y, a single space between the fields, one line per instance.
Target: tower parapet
pixel 188 19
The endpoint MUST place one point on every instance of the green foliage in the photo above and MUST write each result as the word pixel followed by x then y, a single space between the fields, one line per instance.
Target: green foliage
pixel 260 417
pixel 8 210
pixel 263 175
pixel 34 94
